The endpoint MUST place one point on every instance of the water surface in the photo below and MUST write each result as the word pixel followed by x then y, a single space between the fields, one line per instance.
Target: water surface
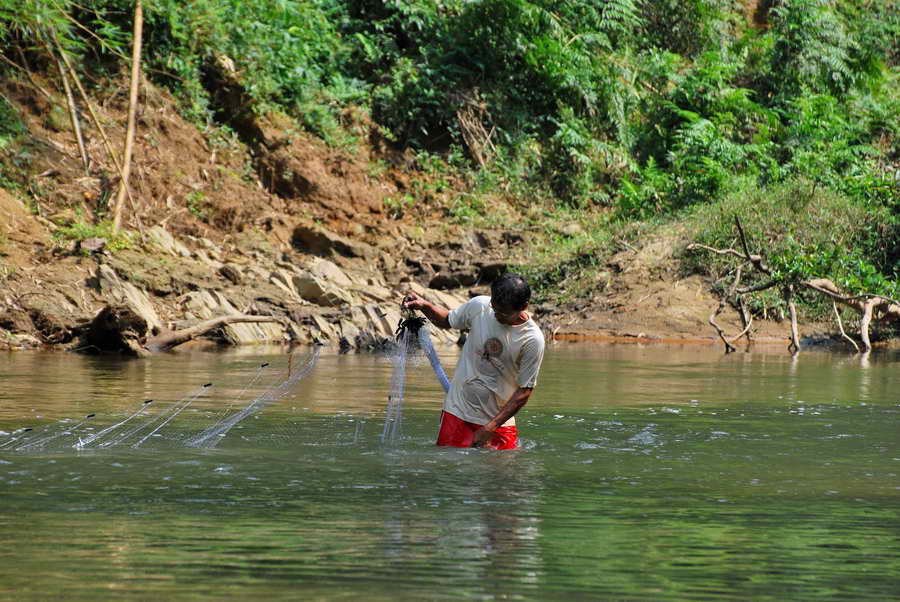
pixel 645 472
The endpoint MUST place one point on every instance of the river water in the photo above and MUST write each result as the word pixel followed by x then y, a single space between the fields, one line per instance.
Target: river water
pixel 645 472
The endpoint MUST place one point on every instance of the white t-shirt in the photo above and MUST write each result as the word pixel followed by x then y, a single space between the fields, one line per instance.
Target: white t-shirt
pixel 495 361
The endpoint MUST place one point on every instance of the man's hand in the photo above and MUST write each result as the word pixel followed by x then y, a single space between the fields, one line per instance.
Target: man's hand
pixel 436 314
pixel 481 437
pixel 413 301
pixel 515 403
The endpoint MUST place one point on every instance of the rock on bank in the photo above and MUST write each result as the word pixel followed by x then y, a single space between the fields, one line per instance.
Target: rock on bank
pixel 321 288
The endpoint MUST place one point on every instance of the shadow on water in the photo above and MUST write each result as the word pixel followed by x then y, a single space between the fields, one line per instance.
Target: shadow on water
pixel 645 473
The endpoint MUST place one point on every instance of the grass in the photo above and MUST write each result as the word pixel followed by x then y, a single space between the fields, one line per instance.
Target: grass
pixel 77 231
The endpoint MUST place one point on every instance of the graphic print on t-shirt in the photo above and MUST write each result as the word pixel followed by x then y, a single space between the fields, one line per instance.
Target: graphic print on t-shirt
pixel 489 356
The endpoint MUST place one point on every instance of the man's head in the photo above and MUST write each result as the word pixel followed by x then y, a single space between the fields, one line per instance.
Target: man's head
pixel 510 294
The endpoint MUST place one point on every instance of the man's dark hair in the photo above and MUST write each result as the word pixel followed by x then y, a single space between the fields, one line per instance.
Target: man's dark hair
pixel 511 290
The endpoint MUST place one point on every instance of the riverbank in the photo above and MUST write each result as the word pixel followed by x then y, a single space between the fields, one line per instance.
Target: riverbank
pixel 273 224
pixel 320 287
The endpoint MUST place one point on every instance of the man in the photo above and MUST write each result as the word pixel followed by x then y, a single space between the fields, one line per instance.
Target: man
pixel 498 368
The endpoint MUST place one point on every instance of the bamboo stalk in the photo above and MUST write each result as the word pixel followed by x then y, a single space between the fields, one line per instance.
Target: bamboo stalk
pixel 132 110
pixel 87 102
pixel 73 112
pixel 91 111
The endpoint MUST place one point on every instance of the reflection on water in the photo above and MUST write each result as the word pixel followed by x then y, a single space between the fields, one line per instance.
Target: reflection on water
pixel 645 473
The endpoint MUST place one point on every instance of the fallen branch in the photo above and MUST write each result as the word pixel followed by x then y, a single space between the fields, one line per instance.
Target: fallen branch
pixel 168 340
pixel 756 288
pixel 756 260
pixel 788 293
pixel 747 320
pixel 869 306
pixel 695 246
pixel 119 329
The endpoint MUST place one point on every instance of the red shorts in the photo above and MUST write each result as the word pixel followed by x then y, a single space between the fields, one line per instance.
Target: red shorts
pixel 456 432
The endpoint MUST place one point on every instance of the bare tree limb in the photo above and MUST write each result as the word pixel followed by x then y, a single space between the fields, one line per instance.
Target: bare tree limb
pixel 827 287
pixel 734 252
pixel 864 323
pixel 757 287
pixel 840 323
pixel 746 320
pixel 746 317
pixel 729 348
pixel 788 292
pixel 756 260
pixel 869 305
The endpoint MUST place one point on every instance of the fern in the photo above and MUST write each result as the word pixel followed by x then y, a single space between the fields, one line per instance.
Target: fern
pixel 813 46
pixel 620 19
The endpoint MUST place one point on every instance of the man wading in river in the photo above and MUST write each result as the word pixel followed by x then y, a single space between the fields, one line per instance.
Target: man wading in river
pixel 498 368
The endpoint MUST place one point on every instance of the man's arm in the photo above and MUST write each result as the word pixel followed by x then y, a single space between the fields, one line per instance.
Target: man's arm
pixel 439 316
pixel 515 403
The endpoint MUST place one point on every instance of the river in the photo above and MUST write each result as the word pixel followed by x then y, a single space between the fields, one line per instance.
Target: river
pixel 646 472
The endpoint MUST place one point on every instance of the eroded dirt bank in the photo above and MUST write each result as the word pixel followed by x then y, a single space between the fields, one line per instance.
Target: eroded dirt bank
pixel 270 223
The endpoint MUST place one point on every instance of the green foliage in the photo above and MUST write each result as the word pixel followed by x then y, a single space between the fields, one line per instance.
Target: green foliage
pixel 35 21
pixel 196 205
pixel 287 55
pixel 468 208
pixel 575 163
pixel 77 231
pixel 646 193
pixel 813 47
pixel 685 27
pixel 707 134
pixel 11 126
pixel 398 206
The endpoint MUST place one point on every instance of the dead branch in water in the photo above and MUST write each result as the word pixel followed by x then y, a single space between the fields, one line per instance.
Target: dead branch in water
pixel 729 348
pixel 840 323
pixel 788 293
